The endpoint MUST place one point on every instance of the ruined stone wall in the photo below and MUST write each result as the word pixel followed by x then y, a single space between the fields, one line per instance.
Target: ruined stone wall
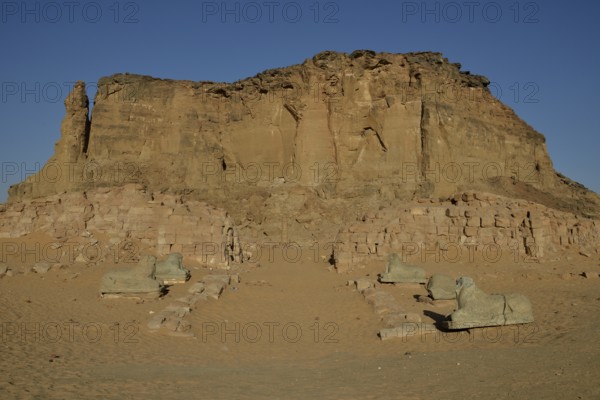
pixel 453 230
pixel 152 223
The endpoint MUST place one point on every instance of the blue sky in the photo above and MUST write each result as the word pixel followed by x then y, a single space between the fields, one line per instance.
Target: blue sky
pixel 542 55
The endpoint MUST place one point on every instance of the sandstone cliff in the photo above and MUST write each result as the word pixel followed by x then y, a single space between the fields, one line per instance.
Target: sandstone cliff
pixel 295 153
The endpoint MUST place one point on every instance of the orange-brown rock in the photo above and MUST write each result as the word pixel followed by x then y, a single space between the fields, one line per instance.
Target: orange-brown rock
pixel 119 224
pixel 298 153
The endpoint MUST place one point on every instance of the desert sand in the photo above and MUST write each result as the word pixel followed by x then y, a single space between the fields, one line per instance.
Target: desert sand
pixel 296 330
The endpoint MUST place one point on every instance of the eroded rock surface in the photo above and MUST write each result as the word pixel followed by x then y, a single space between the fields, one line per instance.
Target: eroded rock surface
pixel 346 125
pixel 117 224
pixel 293 154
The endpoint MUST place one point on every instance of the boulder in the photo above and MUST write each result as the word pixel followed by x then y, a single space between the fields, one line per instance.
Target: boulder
pixel 41 267
pixel 156 321
pixel 363 284
pixel 441 287
pixel 214 290
pixel 197 287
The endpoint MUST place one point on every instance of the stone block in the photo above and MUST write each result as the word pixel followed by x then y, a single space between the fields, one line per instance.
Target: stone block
pixel 166 238
pixel 468 197
pixel 455 230
pixel 471 231
pixel 474 222
pixel 186 239
pixel 501 222
pixel 362 248
pixel 418 211
pixel 442 230
pixel 424 220
pixel 41 267
pixel 197 287
pixel 359 237
pixel 156 321
pixel 363 284
pixel 372 237
pixel 441 287
pixel 213 290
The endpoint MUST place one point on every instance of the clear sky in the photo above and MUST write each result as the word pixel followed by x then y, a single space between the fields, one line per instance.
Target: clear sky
pixel 542 56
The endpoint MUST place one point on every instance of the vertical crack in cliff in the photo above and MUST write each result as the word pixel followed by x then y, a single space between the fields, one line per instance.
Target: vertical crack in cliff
pixel 248 109
pixel 381 143
pixel 85 140
pixel 530 249
pixel 332 132
pixel 369 131
pixel 443 132
pixel 292 110
pixel 297 117
pixel 424 148
pixel 423 132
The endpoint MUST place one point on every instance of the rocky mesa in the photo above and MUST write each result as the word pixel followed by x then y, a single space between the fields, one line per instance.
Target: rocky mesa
pixel 362 153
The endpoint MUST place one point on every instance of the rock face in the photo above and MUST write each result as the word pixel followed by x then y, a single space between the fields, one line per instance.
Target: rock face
pixel 293 153
pixel 351 124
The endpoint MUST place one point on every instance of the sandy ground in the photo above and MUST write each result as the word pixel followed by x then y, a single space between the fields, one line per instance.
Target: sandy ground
pixel 297 331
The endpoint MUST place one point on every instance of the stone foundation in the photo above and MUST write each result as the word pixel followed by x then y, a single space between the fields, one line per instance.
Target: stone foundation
pixel 152 222
pixel 443 230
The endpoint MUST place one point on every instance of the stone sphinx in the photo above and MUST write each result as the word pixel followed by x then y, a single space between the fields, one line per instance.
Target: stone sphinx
pixel 397 272
pixel 136 282
pixel 171 270
pixel 478 309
